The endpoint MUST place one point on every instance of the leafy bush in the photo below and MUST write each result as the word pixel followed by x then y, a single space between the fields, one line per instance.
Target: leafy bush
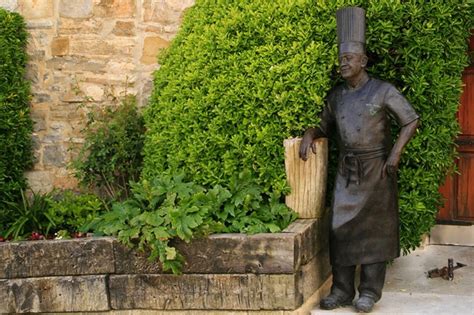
pixel 15 121
pixel 72 212
pixel 169 207
pixel 112 152
pixel 241 76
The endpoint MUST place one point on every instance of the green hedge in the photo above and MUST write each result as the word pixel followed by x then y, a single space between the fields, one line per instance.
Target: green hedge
pixel 243 75
pixel 15 121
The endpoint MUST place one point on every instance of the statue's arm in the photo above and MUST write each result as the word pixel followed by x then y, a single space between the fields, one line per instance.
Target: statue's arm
pixel 307 142
pixel 406 133
pixel 322 131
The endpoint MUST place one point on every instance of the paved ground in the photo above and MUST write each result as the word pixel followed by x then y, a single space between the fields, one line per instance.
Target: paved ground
pixel 409 291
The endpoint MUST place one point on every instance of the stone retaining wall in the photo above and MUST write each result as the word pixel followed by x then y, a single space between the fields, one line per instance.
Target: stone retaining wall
pixel 225 272
pixel 87 48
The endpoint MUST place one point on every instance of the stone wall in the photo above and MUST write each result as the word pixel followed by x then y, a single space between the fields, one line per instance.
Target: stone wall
pixel 87 49
pixel 271 274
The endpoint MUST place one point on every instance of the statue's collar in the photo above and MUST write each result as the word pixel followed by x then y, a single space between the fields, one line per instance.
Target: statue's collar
pixel 359 84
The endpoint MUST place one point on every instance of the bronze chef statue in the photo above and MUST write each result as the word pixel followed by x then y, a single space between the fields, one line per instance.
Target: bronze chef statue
pixel 364 213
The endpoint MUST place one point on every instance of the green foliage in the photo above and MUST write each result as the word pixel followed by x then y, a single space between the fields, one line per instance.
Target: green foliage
pixel 71 211
pixel 169 207
pixel 15 122
pixel 235 83
pixel 241 76
pixel 66 211
pixel 112 152
pixel 31 216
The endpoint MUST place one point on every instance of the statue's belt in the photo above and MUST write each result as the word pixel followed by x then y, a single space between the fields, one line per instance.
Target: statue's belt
pixel 355 157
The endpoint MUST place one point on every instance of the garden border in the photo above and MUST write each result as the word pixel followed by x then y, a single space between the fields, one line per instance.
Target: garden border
pixel 237 272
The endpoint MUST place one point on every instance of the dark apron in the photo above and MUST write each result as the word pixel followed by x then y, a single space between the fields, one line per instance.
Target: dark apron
pixel 364 222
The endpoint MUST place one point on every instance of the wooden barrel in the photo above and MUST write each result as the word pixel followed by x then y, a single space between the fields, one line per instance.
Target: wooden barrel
pixel 307 179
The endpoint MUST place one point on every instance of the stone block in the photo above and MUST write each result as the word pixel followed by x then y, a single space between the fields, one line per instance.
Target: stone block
pixel 124 28
pixel 115 8
pixel 39 120
pixel 131 261
pixel 222 253
pixel 119 48
pixel 147 88
pixel 54 154
pixel 71 26
pixel 41 98
pixel 66 182
pixel 54 294
pixel 32 73
pixel 198 291
pixel 165 12
pixel 39 181
pixel 193 312
pixel 75 8
pixel 67 111
pixel 10 5
pixel 60 46
pixel 75 64
pixel 56 258
pixel 51 137
pixel 36 9
pixel 240 253
pixel 36 55
pixel 7 256
pixel 313 236
pixel 91 91
pixel 121 69
pixel 151 46
pixel 36 143
pixel 39 24
pixel 314 274
pixel 85 47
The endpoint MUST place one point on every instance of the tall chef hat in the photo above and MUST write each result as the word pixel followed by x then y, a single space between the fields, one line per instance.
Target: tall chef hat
pixel 351 30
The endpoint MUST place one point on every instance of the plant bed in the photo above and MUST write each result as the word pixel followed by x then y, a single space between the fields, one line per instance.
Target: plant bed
pixel 273 272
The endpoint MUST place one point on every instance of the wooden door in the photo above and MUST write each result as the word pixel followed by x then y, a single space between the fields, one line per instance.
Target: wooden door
pixel 459 189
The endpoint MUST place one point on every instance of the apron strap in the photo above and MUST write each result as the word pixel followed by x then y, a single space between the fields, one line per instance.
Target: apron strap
pixel 356 157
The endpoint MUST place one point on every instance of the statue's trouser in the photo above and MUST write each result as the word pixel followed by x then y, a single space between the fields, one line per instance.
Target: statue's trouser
pixel 372 278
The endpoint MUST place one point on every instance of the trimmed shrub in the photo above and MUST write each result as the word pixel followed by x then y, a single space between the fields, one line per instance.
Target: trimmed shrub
pixel 15 121
pixel 241 76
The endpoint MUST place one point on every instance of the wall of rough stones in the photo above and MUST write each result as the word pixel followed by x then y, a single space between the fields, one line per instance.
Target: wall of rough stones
pixel 87 49
pixel 264 274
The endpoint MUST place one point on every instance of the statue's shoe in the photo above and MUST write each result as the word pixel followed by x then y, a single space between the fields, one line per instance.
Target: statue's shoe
pixel 333 301
pixel 364 304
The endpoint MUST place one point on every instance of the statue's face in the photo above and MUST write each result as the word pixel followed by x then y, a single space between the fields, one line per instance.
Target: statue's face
pixel 351 64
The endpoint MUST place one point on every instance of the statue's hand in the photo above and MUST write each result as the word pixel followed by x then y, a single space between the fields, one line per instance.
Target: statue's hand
pixel 391 165
pixel 306 143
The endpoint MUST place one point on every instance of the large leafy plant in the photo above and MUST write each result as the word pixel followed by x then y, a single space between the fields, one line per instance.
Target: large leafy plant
pixel 241 76
pixel 169 207
pixel 15 122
